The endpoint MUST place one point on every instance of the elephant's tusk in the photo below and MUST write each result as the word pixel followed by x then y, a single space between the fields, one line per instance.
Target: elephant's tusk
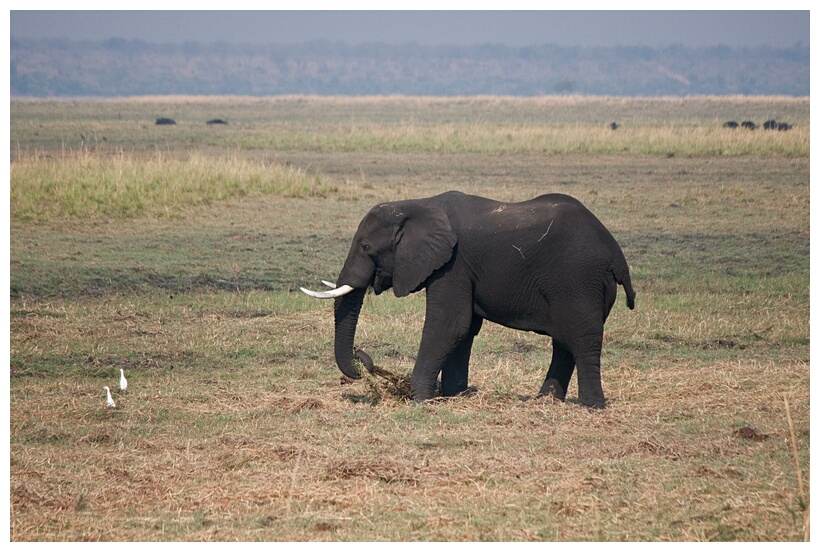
pixel 337 292
pixel 331 285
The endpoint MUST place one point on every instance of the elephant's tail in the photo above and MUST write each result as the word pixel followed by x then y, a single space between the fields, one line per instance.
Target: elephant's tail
pixel 621 272
pixel 630 293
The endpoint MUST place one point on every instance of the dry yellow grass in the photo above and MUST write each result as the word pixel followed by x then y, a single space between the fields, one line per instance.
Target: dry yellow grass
pixel 199 452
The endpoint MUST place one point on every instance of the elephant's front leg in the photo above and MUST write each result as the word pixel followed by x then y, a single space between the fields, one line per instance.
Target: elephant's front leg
pixel 455 372
pixel 446 342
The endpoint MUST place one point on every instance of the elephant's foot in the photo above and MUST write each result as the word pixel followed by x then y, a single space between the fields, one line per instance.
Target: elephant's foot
pixel 596 404
pixel 599 405
pixel 552 388
pixel 593 399
pixel 422 393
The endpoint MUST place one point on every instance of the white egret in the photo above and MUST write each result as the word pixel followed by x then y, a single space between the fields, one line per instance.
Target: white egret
pixel 108 400
pixel 123 381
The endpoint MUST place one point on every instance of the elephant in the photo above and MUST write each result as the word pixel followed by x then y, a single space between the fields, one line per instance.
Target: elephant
pixel 546 265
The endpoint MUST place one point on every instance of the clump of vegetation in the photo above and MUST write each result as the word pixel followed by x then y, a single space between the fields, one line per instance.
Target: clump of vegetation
pixel 85 185
pixel 383 383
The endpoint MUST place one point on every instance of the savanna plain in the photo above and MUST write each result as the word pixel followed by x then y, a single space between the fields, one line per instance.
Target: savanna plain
pixel 176 253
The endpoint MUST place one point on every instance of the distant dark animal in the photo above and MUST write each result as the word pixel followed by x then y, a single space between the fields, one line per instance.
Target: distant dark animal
pixel 730 124
pixel 614 126
pixel 783 126
pixel 216 122
pixel 165 121
pixel 748 124
pixel 771 124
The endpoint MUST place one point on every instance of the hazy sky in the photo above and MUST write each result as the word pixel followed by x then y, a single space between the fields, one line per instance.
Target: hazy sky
pixel 514 28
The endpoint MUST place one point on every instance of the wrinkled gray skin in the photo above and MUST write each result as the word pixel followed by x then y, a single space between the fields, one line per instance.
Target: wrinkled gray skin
pixel 546 265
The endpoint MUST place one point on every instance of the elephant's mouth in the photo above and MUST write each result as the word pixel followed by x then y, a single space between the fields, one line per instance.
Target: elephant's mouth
pixel 382 282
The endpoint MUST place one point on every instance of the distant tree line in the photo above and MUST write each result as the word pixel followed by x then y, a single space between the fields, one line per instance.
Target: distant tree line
pixel 119 67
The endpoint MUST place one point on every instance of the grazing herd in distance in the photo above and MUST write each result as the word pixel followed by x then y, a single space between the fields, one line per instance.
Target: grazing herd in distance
pixel 771 124
pixel 167 121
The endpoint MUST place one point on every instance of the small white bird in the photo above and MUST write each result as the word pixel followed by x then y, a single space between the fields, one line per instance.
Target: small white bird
pixel 123 381
pixel 108 400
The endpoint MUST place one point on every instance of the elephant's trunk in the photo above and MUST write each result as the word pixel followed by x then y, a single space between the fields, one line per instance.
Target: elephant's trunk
pixel 346 314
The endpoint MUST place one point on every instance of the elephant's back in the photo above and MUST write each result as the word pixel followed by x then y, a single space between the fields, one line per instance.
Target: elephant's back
pixel 550 224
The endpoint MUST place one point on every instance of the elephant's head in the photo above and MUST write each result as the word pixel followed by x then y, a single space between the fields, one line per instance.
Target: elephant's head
pixel 398 245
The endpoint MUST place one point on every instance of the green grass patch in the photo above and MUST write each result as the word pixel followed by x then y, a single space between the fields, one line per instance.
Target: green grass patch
pixel 81 185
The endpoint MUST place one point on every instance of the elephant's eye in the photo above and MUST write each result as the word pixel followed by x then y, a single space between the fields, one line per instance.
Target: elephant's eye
pixel 365 247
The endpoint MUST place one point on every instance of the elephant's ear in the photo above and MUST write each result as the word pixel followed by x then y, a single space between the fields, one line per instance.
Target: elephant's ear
pixel 424 242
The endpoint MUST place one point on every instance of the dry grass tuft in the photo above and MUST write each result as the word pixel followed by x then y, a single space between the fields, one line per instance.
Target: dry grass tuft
pixel 388 385
pixel 377 469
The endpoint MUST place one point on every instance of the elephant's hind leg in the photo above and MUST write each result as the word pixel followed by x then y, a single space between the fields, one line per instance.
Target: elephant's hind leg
pixel 588 358
pixel 560 372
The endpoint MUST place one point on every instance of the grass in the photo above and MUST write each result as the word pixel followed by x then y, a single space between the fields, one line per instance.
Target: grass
pixel 546 139
pixel 483 125
pixel 81 185
pixel 236 424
